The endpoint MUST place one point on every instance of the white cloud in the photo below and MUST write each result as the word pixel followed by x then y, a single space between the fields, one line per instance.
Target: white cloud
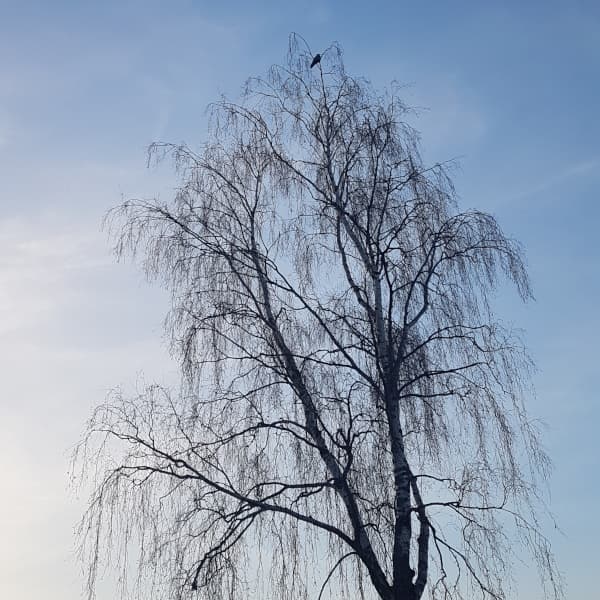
pixel 73 324
pixel 34 270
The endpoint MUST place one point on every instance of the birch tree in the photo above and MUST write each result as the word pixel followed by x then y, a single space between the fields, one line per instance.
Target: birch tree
pixel 351 419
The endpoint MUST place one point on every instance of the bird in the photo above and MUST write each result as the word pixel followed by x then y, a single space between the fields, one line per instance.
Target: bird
pixel 315 61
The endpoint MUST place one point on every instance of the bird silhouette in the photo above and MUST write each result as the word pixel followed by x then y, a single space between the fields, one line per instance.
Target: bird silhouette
pixel 315 61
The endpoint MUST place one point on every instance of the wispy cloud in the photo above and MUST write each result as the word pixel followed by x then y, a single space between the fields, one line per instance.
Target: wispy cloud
pixel 581 168
pixel 448 115
pixel 35 267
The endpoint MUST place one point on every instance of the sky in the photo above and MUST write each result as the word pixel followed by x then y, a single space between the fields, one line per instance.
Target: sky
pixel 511 89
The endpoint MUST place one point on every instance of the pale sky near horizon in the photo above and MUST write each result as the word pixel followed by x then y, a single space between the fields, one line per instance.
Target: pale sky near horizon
pixel 510 88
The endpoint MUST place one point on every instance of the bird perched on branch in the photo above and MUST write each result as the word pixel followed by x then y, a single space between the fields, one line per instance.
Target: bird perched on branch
pixel 315 61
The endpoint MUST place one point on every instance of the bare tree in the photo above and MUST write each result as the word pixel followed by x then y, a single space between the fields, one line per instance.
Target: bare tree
pixel 351 418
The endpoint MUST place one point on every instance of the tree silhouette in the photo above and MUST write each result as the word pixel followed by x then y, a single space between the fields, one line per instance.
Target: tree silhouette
pixel 351 418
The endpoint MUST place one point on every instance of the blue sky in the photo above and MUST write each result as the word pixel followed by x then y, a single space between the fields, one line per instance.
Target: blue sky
pixel 510 88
